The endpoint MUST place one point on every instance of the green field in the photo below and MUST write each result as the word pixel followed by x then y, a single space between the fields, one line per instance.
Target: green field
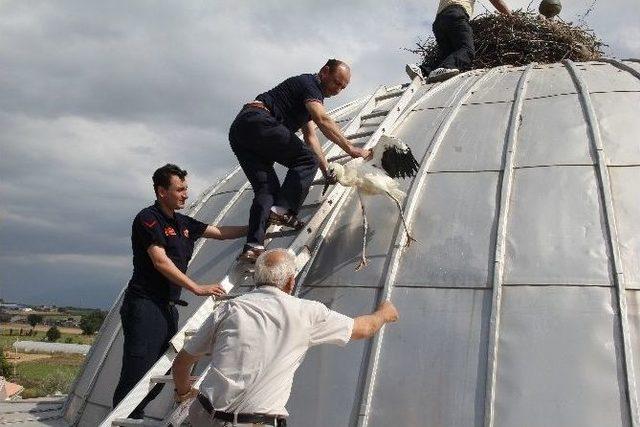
pixel 47 376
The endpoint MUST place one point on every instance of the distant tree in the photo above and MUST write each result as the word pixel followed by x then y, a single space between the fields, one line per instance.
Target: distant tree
pixel 5 317
pixel 91 322
pixel 53 334
pixel 34 319
pixel 5 367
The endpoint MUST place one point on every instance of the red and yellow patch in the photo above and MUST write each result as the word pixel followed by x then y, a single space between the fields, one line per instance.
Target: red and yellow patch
pixel 169 231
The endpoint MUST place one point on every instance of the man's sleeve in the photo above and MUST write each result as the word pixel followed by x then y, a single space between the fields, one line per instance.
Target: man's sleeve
pixel 202 341
pixel 328 326
pixel 196 228
pixel 148 230
pixel 311 93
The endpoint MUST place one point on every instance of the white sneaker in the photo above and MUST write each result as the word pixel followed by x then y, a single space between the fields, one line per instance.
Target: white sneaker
pixel 413 71
pixel 442 74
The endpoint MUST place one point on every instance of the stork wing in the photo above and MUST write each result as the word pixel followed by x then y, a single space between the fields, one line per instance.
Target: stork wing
pixel 399 162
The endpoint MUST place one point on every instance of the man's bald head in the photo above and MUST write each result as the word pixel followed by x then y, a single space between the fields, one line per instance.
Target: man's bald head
pixel 334 76
pixel 275 267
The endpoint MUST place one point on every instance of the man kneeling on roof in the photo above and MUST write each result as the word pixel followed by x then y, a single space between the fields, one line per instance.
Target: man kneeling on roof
pixel 264 133
pixel 256 342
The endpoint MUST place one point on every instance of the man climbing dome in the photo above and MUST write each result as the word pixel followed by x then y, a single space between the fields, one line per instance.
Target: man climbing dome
pixel 264 132
pixel 454 35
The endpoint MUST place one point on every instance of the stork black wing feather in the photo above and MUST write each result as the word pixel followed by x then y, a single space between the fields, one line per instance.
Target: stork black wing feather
pixel 399 163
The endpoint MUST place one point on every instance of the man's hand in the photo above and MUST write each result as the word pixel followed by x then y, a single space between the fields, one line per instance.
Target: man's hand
pixel 356 152
pixel 388 311
pixel 205 291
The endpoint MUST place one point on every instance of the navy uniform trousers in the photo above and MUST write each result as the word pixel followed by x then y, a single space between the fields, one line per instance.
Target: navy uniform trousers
pixel 455 38
pixel 148 326
pixel 258 140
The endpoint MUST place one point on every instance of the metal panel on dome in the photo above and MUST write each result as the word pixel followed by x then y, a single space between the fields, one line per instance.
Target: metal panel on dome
pixel 214 206
pixel 500 87
pixel 342 247
pixel 479 144
pixel 326 386
pixel 549 80
pixel 602 77
pixel 547 124
pixel 559 359
pixel 633 314
pixel 455 226
pixel 555 233
pixel 418 129
pixel 618 116
pixel 626 201
pixel 213 260
pixel 432 365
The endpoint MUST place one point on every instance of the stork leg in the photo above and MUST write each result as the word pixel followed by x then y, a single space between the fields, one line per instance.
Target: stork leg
pixel 365 226
pixel 410 239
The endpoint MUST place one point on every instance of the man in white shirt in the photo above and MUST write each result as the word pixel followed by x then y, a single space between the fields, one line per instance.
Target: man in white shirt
pixel 455 40
pixel 257 341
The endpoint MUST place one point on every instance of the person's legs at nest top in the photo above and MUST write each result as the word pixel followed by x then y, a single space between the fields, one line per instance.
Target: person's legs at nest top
pixel 455 40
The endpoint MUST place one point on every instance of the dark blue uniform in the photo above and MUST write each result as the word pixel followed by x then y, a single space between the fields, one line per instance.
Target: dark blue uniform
pixel 259 137
pixel 149 317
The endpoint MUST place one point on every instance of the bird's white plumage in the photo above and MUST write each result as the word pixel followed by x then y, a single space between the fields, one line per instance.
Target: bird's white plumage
pixel 372 178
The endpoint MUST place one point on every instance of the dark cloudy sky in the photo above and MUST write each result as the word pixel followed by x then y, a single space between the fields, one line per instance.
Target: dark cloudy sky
pixel 94 95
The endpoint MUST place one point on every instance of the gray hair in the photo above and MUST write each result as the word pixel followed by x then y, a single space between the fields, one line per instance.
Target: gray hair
pixel 275 271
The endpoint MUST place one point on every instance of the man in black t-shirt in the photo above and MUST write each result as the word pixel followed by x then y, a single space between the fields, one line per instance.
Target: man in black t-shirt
pixel 264 133
pixel 162 241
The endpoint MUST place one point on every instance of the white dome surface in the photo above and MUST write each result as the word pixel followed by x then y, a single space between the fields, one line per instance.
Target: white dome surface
pixel 520 301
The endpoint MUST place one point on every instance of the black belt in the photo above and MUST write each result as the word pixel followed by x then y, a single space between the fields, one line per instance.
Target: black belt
pixel 241 418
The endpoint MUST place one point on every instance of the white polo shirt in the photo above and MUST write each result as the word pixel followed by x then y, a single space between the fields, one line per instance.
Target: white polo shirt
pixel 257 342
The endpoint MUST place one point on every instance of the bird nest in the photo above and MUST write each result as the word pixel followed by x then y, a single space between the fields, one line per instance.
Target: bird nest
pixel 520 39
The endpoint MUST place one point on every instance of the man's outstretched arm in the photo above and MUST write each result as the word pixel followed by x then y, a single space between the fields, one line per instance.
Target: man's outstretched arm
pixel 366 326
pixel 224 232
pixel 181 375
pixel 331 130
pixel 168 269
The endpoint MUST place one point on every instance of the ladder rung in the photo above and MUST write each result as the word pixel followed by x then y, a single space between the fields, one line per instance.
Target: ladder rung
pixel 360 135
pixel 390 95
pixel 380 113
pixel 312 205
pixel 165 379
pixel 336 158
pixel 132 422
pixel 281 233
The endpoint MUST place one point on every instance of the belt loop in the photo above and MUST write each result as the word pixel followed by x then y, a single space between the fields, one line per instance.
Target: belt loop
pixel 235 419
pixel 275 422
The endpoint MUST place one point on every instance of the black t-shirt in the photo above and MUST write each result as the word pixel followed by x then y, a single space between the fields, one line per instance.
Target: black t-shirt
pixel 287 100
pixel 176 235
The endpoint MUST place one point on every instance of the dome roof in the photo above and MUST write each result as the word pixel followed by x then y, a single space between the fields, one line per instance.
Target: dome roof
pixel 520 301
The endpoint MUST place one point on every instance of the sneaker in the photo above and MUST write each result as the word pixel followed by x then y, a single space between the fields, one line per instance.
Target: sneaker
pixel 250 254
pixel 413 71
pixel 287 220
pixel 442 74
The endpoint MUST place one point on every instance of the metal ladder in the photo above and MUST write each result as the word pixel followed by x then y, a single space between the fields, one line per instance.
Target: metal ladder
pixel 304 240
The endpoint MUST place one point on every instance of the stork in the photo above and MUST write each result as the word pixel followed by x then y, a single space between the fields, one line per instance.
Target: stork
pixel 390 159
